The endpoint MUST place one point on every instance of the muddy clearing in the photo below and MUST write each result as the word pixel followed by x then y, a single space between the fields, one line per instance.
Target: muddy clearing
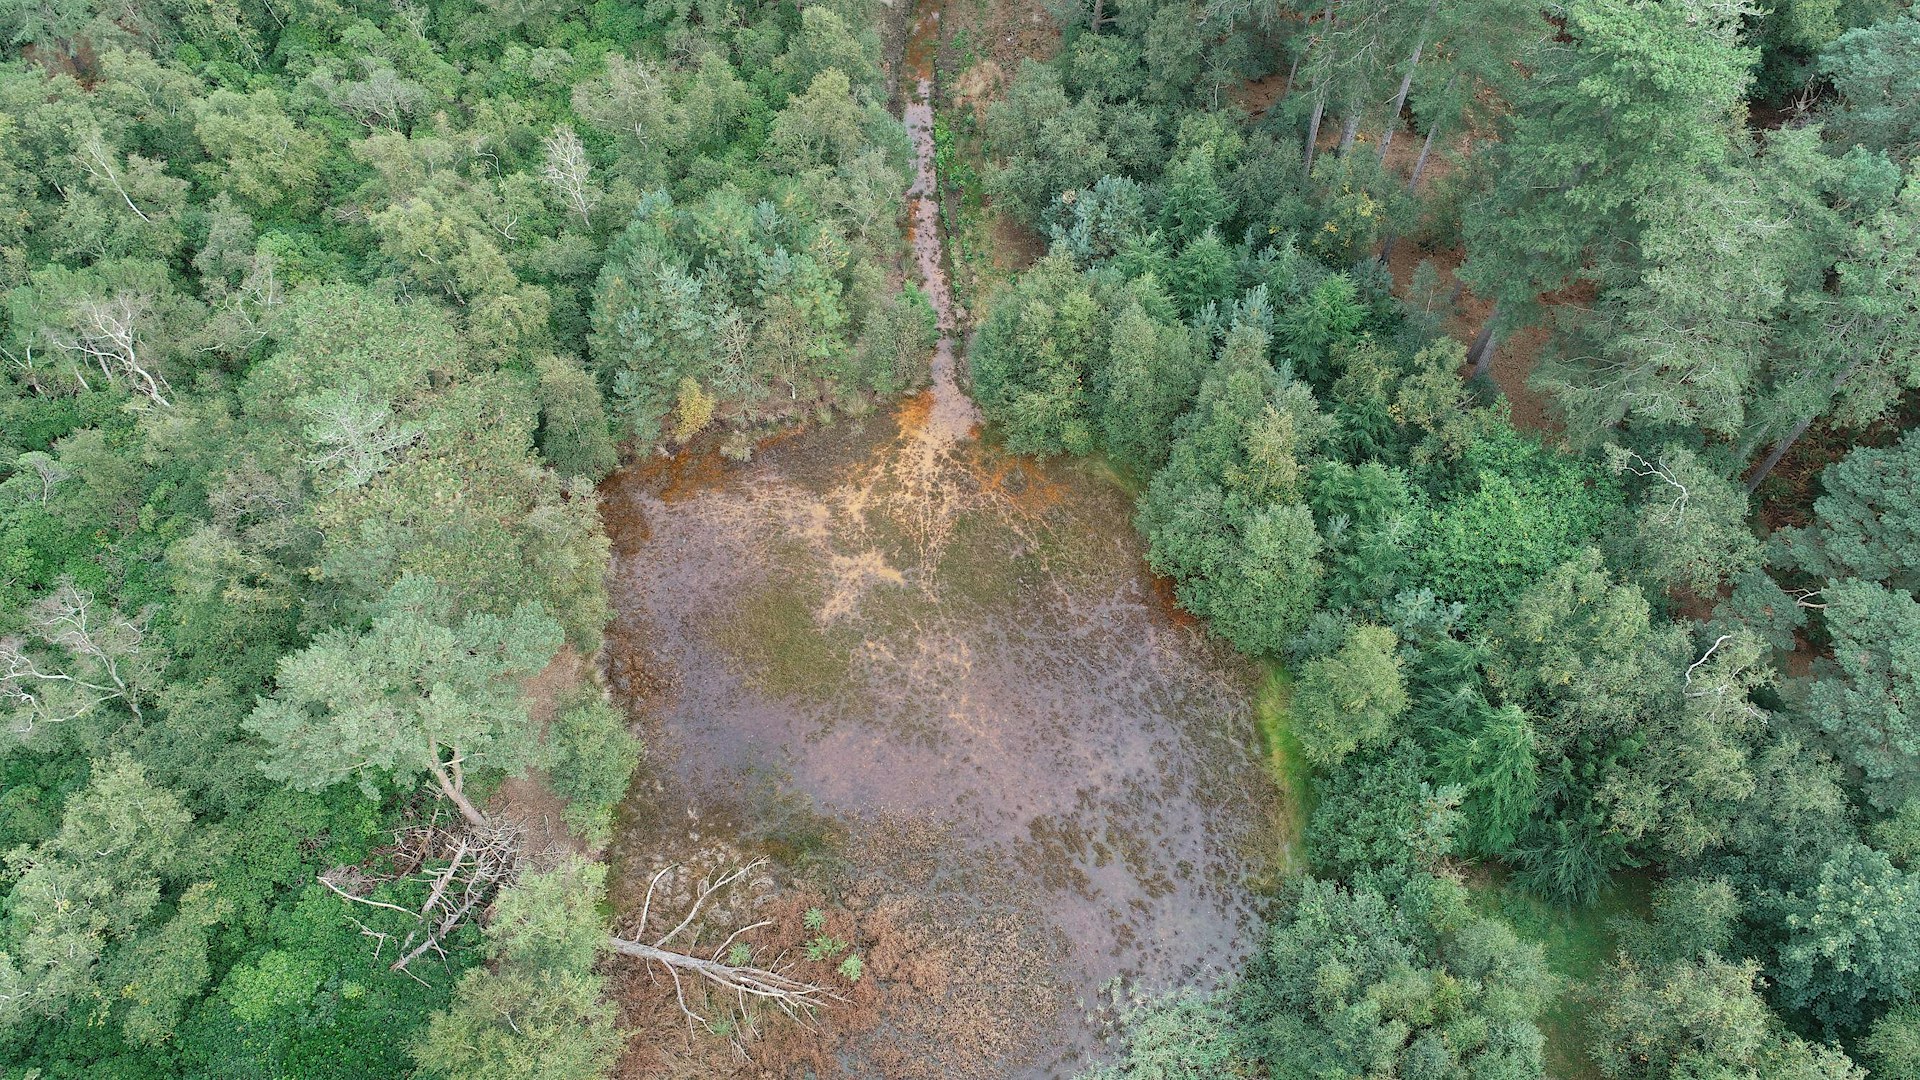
pixel 938 686
pixel 871 628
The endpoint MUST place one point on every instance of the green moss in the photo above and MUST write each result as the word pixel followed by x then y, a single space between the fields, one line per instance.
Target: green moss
pixel 774 635
pixel 1579 942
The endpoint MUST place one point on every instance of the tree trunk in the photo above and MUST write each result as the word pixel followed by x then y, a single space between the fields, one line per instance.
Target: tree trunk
pixel 1386 248
pixel 1420 163
pixel 1406 82
pixel 1353 128
pixel 1313 131
pixel 737 979
pixel 1319 97
pixel 1780 448
pixel 1481 354
pixel 457 796
pixel 1099 7
pixel 1399 103
pixel 1779 451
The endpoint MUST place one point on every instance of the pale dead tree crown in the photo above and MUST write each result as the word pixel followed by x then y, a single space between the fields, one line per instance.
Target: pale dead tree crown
pixel 74 657
pixel 567 171
pixel 107 332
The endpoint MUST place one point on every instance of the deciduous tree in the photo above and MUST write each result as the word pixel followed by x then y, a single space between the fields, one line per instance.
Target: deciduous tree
pixel 423 693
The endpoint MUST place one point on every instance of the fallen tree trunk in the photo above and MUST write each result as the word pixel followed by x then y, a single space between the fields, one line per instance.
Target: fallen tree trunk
pixel 795 998
pixel 753 981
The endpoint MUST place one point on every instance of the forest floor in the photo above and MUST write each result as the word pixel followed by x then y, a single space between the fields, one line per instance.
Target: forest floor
pixel 1514 359
pixel 528 799
pixel 982 44
pixel 1579 944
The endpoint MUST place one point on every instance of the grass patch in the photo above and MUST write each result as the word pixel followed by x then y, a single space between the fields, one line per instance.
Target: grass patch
pixel 1100 467
pixel 1273 714
pixel 784 650
pixel 1579 942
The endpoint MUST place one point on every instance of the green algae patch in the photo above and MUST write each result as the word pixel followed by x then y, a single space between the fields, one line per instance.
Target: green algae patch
pixel 776 637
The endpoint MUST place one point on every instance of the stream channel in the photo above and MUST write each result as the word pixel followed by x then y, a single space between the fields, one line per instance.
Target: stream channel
pixel 886 645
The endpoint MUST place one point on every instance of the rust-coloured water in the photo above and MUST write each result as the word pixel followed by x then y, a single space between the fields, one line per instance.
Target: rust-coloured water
pixel 890 618
pixel 952 416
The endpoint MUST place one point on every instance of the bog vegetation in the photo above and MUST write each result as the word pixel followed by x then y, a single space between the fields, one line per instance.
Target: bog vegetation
pixel 321 320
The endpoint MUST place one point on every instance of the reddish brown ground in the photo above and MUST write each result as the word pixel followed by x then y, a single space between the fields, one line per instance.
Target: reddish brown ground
pixel 528 799
pixel 953 977
pixel 1258 95
pixel 1513 360
pixel 1516 356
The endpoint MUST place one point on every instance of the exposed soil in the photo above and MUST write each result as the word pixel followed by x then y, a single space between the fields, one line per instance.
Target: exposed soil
pixel 1513 359
pixel 528 799
pixel 1256 96
pixel 1001 33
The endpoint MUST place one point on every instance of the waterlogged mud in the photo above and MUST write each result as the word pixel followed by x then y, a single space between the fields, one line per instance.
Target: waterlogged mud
pixel 872 623
pixel 944 673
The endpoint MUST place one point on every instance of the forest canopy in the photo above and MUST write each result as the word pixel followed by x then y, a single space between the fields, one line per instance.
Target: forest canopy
pixel 1528 387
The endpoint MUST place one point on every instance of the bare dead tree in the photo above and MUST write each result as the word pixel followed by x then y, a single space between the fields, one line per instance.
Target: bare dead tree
pixel 28 372
pixel 633 98
pixel 99 164
pixel 1687 678
pixel 107 332
pixel 51 473
pixel 243 312
pixel 745 984
pixel 567 170
pixel 464 867
pixel 101 649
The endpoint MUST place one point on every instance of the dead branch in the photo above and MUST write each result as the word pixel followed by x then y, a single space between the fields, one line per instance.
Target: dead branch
pixel 345 895
pixel 478 860
pixel 101 652
pixel 792 995
pixel 745 983
pixel 1704 657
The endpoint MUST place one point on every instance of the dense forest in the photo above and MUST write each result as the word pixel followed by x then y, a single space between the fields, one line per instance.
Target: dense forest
pixel 320 325
pixel 323 320
pixel 1570 654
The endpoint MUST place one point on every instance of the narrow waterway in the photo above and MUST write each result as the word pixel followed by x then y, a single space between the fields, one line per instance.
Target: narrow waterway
pixel 893 655
pixel 953 415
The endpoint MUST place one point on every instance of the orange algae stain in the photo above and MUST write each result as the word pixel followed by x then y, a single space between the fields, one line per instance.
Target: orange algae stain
pixel 1170 603
pixel 683 475
pixel 913 414
pixel 1021 484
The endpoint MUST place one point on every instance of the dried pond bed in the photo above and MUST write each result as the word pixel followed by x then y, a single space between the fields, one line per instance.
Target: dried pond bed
pixel 939 684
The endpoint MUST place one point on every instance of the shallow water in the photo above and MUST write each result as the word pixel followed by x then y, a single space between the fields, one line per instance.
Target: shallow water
pixel 832 626
pixel 890 618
